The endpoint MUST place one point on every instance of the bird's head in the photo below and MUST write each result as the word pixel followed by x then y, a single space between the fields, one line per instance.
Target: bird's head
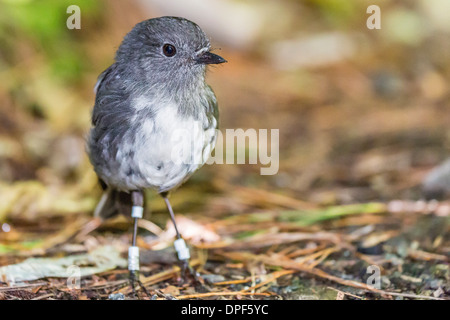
pixel 167 50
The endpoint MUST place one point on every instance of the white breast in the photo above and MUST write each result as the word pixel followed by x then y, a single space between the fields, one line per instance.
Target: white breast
pixel 169 148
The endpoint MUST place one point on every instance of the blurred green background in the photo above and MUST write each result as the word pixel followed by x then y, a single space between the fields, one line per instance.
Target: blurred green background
pixel 363 114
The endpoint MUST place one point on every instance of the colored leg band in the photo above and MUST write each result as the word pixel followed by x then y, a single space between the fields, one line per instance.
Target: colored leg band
pixel 181 249
pixel 137 212
pixel 133 258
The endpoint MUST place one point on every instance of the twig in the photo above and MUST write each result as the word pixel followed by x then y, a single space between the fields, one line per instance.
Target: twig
pixel 43 296
pixel 29 285
pixel 272 277
pixel 214 294
pixel 409 295
pixel 346 293
pixel 426 256
pixel 320 255
pixel 223 283
pixel 150 226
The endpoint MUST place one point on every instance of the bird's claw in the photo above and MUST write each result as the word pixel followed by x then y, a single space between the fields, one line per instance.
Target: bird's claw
pixel 134 279
pixel 188 273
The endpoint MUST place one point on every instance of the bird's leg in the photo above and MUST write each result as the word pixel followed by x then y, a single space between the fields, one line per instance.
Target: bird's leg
pixel 137 210
pixel 181 248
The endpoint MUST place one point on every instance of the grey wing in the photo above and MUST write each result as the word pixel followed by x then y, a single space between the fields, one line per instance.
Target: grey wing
pixel 112 98
pixel 111 111
pixel 211 126
pixel 110 118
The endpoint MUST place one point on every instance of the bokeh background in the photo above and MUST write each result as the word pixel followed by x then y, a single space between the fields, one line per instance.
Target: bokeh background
pixel 363 114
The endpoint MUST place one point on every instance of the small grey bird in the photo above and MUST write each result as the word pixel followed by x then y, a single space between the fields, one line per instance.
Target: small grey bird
pixel 154 121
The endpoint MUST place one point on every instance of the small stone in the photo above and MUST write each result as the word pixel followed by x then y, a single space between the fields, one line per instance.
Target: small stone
pixel 435 284
pixel 213 278
pixel 116 296
pixel 439 292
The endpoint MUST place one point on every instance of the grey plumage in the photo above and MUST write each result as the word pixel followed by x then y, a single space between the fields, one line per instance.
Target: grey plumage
pixel 154 119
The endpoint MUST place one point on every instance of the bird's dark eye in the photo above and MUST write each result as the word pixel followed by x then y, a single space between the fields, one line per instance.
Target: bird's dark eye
pixel 169 50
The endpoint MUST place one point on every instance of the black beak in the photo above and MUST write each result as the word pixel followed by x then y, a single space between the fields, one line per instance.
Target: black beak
pixel 209 58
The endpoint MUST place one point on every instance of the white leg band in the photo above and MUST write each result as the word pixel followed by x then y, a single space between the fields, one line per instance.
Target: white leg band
pixel 137 211
pixel 133 258
pixel 181 249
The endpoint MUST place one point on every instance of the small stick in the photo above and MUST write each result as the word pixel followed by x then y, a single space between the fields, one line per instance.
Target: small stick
pixel 213 294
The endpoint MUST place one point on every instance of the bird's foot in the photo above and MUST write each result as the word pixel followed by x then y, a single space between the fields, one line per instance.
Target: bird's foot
pixel 189 275
pixel 136 284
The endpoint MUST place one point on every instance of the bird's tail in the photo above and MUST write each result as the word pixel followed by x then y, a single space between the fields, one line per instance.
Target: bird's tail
pixel 112 203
